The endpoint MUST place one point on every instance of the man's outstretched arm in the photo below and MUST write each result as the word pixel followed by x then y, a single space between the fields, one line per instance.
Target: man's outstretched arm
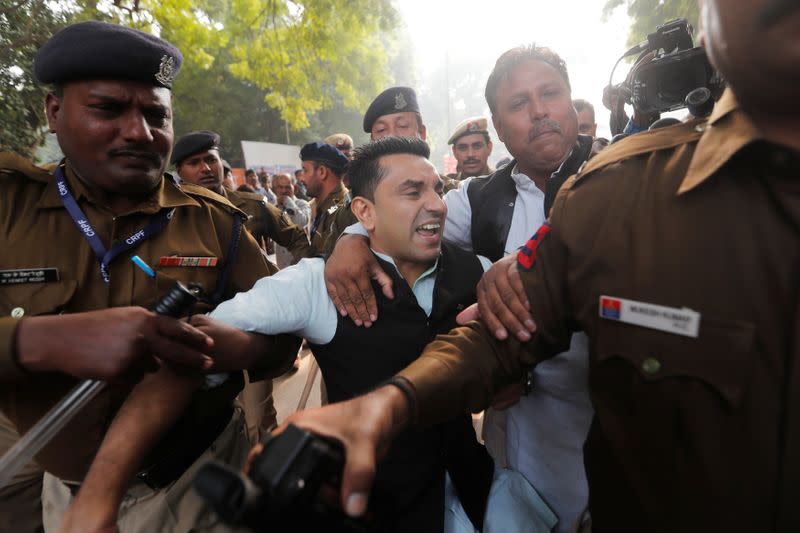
pixel 150 409
pixel 153 406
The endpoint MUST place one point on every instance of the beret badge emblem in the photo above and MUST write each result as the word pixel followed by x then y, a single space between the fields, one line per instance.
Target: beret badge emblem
pixel 166 71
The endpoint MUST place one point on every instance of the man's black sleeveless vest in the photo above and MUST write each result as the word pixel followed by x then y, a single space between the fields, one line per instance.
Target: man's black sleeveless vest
pixel 492 200
pixel 358 359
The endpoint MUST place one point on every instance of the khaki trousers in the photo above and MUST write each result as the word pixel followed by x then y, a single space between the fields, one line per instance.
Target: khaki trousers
pixel 21 500
pixel 259 408
pixel 174 509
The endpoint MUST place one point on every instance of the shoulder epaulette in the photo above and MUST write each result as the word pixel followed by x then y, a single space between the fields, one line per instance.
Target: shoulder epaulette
pixel 252 196
pixel 643 143
pixel 196 190
pixel 15 163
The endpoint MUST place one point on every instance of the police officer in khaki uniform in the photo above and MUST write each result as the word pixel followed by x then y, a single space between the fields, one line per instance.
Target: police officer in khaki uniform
pixel 196 159
pixel 676 250
pixel 323 168
pixel 471 148
pixel 67 282
pixel 394 112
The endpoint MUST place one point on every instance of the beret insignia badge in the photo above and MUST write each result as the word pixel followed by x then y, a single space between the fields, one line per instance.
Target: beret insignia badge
pixel 166 71
pixel 472 126
pixel 400 101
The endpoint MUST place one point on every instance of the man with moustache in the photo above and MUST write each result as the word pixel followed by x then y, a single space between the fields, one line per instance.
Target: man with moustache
pixel 529 95
pixel 298 211
pixel 471 148
pixel 397 195
pixel 586 119
pixel 692 310
pixel 197 160
pixel 323 168
pixel 394 112
pixel 74 305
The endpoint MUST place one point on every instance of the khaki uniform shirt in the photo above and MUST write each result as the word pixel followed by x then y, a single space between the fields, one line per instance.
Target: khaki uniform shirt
pixel 324 217
pixel 690 433
pixel 341 219
pixel 265 221
pixel 36 231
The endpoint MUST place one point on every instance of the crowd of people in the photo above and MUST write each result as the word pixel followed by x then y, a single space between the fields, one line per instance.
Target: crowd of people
pixel 624 313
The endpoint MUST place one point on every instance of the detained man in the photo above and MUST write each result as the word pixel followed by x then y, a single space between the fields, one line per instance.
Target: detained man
pixel 397 197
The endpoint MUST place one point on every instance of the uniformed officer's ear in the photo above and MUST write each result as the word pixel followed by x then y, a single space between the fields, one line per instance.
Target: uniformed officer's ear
pixel 52 106
pixel 364 210
pixel 423 132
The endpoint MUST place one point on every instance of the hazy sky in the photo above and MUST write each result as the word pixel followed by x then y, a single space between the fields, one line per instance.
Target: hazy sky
pixel 460 29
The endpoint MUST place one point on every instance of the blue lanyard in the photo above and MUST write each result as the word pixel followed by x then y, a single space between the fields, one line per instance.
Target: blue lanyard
pixel 155 226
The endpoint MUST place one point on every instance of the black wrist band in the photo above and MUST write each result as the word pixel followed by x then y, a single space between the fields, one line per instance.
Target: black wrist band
pixel 408 391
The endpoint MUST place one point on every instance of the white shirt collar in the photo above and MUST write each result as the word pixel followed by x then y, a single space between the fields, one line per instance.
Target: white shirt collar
pixel 522 181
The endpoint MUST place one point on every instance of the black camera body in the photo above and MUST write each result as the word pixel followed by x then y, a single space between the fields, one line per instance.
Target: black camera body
pixel 293 486
pixel 678 68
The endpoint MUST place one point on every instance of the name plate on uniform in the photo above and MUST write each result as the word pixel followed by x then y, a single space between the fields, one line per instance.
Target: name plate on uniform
pixel 178 261
pixel 29 275
pixel 670 319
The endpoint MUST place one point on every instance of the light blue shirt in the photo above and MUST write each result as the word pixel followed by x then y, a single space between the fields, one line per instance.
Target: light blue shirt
pixel 308 311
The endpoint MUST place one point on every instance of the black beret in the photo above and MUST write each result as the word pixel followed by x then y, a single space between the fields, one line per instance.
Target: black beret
pixel 225 165
pixel 98 50
pixel 323 153
pixel 193 143
pixel 392 100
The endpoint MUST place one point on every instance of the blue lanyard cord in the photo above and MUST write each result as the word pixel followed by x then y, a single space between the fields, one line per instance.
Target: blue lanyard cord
pixel 156 224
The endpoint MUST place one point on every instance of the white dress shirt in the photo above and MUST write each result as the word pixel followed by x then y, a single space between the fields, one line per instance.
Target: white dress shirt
pixel 528 213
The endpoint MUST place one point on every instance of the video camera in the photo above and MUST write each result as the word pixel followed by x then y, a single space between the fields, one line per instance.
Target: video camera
pixel 677 69
pixel 293 486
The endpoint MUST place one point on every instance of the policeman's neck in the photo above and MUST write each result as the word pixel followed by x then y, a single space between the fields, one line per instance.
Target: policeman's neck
pixel 781 129
pixel 327 190
pixel 776 113
pixel 118 202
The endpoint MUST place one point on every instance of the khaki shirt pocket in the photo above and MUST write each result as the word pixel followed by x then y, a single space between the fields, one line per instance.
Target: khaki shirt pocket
pixel 35 299
pixel 719 360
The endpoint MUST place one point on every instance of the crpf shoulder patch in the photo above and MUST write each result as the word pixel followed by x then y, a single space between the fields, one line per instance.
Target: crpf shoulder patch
pixel 527 255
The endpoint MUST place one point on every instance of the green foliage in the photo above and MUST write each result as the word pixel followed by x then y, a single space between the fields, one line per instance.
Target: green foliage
pixel 309 55
pixel 24 26
pixel 252 68
pixel 647 14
